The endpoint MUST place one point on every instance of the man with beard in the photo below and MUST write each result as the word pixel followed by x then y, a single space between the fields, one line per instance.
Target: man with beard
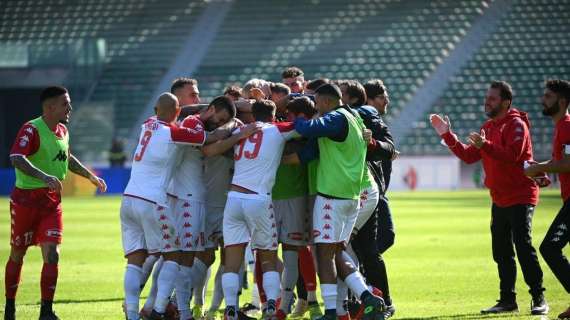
pixel 41 158
pixel 503 145
pixel 555 105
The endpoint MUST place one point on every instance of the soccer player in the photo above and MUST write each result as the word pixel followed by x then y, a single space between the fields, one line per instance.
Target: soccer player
pixel 187 198
pixel 188 95
pixel 342 149
pixel 504 144
pixel 147 226
pixel 294 78
pixel 555 105
pixel 366 236
pixel 41 158
pixel 248 215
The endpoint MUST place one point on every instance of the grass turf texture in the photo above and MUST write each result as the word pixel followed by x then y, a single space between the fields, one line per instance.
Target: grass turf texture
pixel 440 267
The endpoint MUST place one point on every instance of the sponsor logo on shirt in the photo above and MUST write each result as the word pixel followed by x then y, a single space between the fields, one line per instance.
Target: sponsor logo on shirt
pixel 53 233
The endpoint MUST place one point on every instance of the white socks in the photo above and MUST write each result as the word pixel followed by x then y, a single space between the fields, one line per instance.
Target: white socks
pixel 230 285
pixel 199 277
pixel 133 275
pixel 329 293
pixel 183 292
pixel 166 280
pixel 342 295
pixel 218 295
pixel 271 285
pixel 356 283
pixel 289 278
pixel 149 303
pixel 147 268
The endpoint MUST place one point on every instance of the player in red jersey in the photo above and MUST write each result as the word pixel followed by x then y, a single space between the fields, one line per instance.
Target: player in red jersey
pixel 41 157
pixel 555 105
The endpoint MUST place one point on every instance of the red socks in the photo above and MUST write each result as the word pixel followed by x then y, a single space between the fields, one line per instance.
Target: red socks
pixel 48 281
pixel 12 278
pixel 307 269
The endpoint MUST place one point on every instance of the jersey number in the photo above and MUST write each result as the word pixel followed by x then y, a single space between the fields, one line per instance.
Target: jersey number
pixel 144 142
pixel 255 139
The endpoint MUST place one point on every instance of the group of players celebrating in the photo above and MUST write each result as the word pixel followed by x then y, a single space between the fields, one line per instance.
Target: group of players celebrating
pixel 304 164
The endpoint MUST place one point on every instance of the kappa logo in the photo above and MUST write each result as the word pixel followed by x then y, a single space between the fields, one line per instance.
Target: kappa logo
pixel 164 227
pixel 188 235
pixel 327 217
pixel 186 205
pixel 60 156
pixel 327 226
pixel 177 242
pixel 29 130
pixel 189 245
pixel 187 225
pixel 162 217
pixel 187 215
pixel 326 237
pixel 327 207
pixel 562 227
pixel 167 247
pixel 24 141
pixel 165 236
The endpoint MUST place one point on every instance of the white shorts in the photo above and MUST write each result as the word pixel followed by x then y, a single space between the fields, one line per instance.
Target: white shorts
pixel 249 217
pixel 368 202
pixel 213 227
pixel 146 226
pixel 292 220
pixel 333 219
pixel 189 218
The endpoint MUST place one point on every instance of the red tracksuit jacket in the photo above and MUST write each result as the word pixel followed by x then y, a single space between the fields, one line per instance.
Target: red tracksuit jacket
pixel 508 145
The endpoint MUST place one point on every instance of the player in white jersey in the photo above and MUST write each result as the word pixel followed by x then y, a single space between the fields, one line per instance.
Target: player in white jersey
pixel 248 215
pixel 187 196
pixel 145 224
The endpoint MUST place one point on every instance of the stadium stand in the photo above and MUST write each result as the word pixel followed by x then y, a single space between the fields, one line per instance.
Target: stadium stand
pixel 131 45
pixel 529 46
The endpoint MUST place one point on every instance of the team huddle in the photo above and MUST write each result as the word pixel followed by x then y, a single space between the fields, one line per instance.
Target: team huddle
pixel 304 165
pixel 281 167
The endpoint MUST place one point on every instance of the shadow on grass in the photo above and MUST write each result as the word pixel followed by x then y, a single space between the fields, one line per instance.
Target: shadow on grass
pixel 71 301
pixel 466 316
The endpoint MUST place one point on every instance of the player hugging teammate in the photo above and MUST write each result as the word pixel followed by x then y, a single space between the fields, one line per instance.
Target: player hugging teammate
pixel 288 144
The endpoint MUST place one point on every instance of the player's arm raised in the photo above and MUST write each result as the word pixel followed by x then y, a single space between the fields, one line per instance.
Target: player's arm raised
pixel 222 146
pixel 23 164
pixel 78 168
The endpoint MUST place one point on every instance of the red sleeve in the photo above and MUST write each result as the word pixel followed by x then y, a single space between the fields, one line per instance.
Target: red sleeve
pixel 469 154
pixel 284 127
pixel 190 132
pixel 517 136
pixel 27 141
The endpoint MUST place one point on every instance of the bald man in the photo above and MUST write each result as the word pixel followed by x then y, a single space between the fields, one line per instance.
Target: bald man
pixel 146 221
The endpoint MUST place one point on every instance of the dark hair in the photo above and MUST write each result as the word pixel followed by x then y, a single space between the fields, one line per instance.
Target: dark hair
pixel 292 72
pixel 263 110
pixel 52 92
pixel 234 91
pixel 179 83
pixel 224 103
pixel 560 87
pixel 302 105
pixel 278 87
pixel 355 90
pixel 505 89
pixel 316 83
pixel 329 90
pixel 374 88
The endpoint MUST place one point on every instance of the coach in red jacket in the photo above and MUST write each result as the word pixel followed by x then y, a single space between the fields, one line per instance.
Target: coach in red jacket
pixel 504 144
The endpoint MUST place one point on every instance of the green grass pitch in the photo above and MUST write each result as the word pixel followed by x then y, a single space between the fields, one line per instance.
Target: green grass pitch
pixel 440 267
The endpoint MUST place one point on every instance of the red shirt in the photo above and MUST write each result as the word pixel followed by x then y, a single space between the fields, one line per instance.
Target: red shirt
pixel 559 143
pixel 28 140
pixel 508 146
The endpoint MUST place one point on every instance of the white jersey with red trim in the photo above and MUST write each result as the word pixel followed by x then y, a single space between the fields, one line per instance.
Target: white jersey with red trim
pixel 155 158
pixel 187 181
pixel 258 156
